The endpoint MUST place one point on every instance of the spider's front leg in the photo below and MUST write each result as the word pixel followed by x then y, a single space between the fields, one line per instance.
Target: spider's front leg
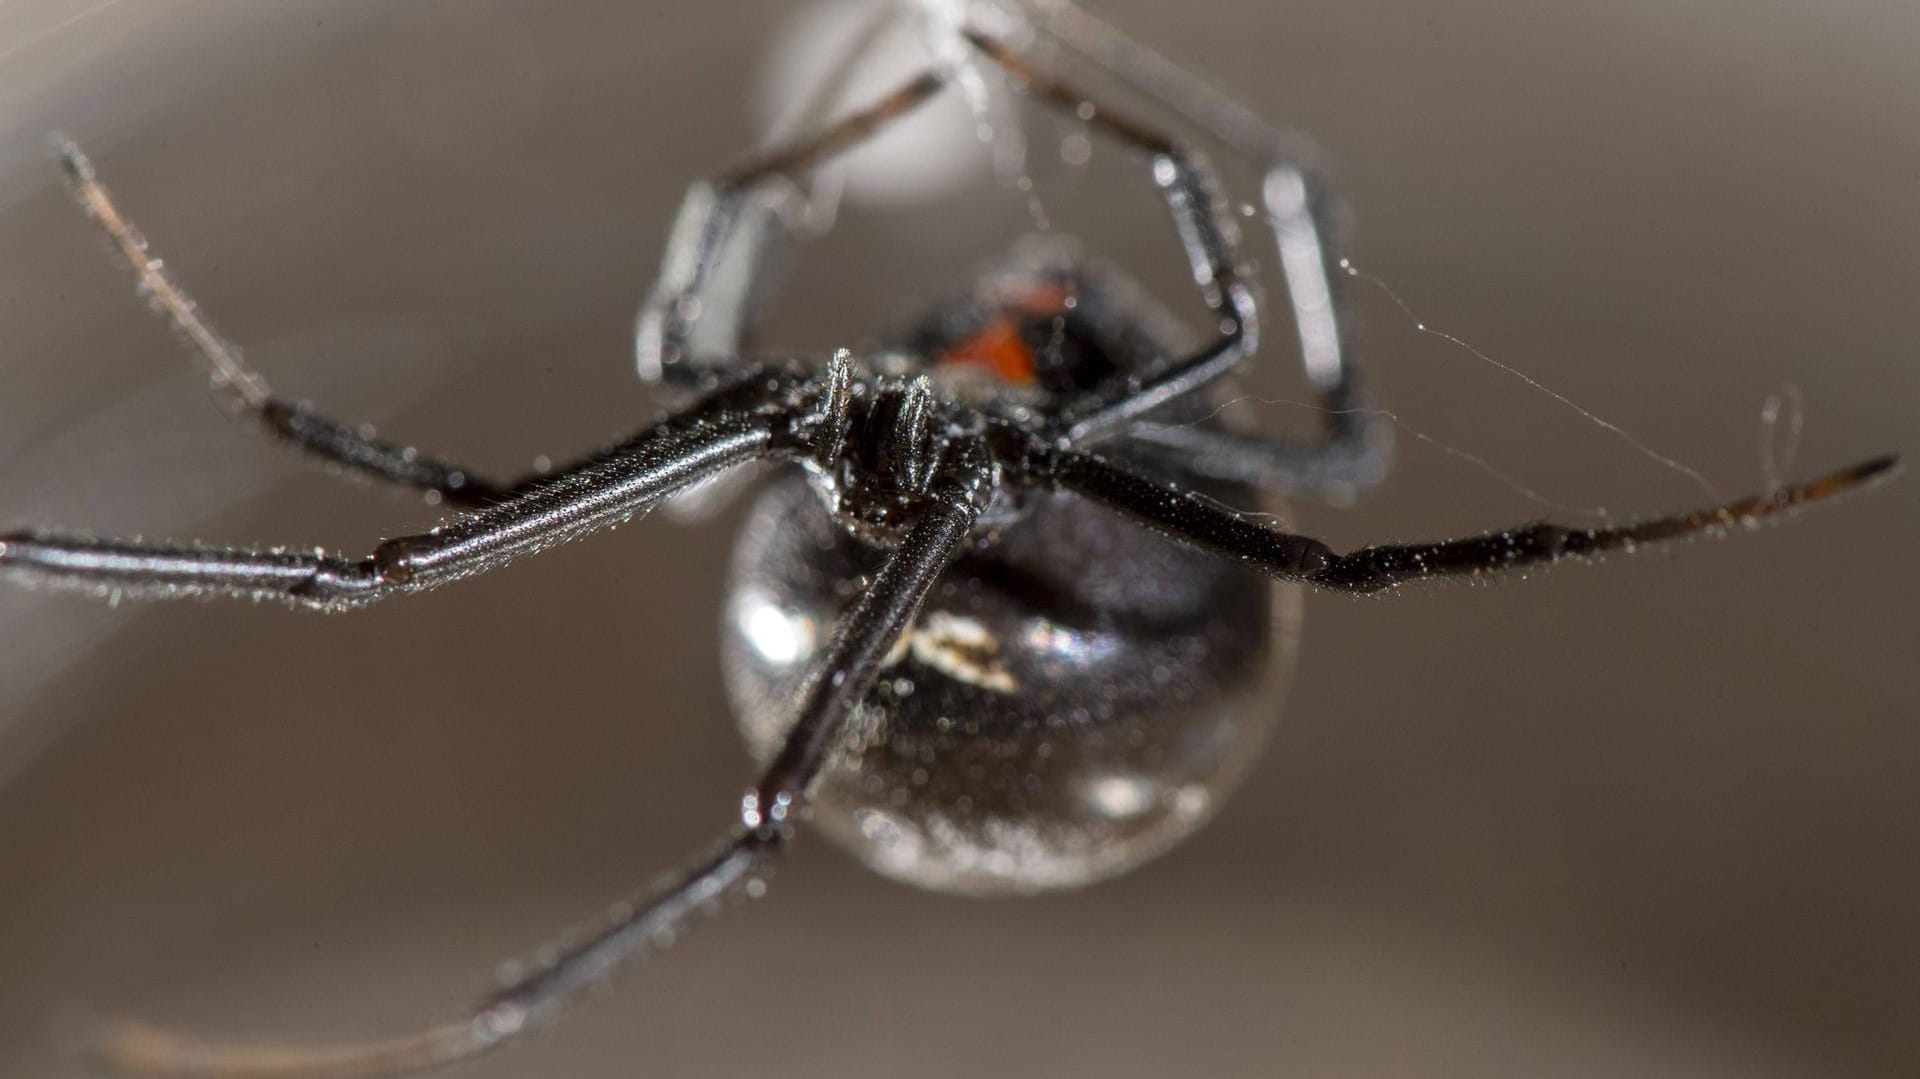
pixel 751 419
pixel 767 811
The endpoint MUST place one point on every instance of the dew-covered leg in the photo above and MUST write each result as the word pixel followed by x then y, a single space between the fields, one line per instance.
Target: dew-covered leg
pixel 1351 453
pixel 545 993
pixel 244 392
pixel 1191 519
pixel 600 492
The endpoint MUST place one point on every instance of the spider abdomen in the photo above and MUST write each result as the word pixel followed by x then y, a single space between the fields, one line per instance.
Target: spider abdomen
pixel 1076 695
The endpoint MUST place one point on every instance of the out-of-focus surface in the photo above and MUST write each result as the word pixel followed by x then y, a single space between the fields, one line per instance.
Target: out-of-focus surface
pixel 1657 817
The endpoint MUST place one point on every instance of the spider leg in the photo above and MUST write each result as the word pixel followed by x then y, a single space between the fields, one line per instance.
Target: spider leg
pixel 1350 453
pixel 689 328
pixel 1191 519
pixel 598 493
pixel 737 867
pixel 243 391
pixel 1191 191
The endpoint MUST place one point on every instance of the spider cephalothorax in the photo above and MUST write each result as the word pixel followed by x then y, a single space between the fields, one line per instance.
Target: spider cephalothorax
pixel 879 445
pixel 1013 643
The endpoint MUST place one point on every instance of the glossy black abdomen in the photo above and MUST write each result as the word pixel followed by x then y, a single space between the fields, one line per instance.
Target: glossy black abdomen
pixel 1077 695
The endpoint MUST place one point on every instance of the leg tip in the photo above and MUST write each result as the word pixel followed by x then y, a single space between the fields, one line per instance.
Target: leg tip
pixel 1884 467
pixel 73 160
pixel 1874 470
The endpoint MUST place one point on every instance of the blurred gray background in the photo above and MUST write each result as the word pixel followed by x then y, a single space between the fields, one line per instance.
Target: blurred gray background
pixel 1657 817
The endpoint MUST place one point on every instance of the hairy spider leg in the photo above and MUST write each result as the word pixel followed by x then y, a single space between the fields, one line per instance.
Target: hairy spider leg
pixel 1190 519
pixel 736 868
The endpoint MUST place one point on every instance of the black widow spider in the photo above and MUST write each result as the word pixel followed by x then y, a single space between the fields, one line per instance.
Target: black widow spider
pixel 1043 612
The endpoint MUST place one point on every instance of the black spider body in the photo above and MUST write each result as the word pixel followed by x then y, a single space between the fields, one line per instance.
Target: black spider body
pixel 1011 639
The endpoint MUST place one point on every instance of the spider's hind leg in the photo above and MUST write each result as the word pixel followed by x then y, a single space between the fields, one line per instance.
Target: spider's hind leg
pixel 1188 518
pixel 556 984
